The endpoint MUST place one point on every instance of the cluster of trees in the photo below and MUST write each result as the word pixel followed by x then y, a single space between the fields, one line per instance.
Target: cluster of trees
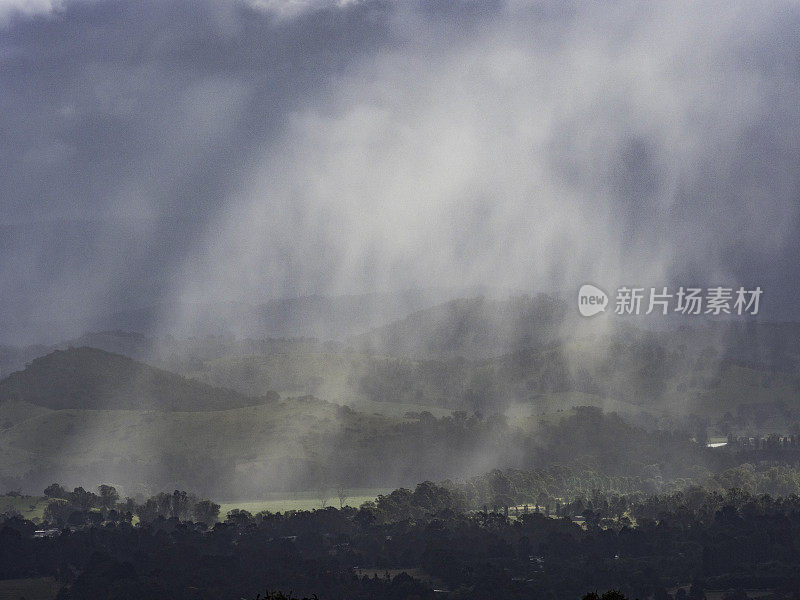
pixel 565 491
pixel 690 541
pixel 80 507
pixel 548 489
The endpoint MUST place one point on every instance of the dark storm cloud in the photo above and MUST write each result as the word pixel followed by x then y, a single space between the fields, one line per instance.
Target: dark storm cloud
pixel 124 125
pixel 237 151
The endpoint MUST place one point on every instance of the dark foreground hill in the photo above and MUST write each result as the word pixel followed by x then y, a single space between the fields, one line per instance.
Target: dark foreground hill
pixel 87 378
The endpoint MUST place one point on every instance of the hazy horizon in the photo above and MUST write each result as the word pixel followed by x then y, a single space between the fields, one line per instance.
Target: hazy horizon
pixel 181 152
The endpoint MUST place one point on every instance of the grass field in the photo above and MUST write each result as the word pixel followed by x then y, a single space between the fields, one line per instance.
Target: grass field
pixel 33 506
pixel 302 501
pixel 43 588
pixel 29 507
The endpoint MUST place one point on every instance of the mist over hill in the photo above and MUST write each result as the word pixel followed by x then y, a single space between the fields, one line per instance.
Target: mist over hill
pixel 324 317
pixel 297 443
pixel 386 415
pixel 491 355
pixel 263 248
pixel 472 328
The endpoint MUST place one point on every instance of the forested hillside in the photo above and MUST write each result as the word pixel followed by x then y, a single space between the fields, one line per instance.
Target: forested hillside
pixel 87 378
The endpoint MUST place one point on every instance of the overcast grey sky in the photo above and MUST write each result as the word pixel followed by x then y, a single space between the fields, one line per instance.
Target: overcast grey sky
pixel 245 150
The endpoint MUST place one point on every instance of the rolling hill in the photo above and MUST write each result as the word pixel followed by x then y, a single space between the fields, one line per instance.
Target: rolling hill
pixel 472 328
pixel 88 378
pixel 704 371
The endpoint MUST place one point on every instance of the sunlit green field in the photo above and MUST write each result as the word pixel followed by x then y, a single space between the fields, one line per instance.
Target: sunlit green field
pixel 29 507
pixel 302 501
